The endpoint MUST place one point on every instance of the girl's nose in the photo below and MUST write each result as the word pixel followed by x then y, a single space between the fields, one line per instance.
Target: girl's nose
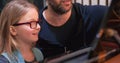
pixel 38 26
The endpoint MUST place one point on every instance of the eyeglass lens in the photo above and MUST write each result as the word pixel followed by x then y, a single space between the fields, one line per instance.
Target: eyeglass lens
pixel 34 24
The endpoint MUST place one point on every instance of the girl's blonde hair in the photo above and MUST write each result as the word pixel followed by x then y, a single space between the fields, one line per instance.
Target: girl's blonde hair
pixel 11 14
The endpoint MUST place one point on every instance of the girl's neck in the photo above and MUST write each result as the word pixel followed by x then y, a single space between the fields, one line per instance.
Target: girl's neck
pixel 27 54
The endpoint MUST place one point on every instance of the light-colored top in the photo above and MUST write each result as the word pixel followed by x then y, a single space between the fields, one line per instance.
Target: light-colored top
pixel 16 57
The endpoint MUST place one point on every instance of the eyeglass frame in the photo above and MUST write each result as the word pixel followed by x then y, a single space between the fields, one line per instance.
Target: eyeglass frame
pixel 30 23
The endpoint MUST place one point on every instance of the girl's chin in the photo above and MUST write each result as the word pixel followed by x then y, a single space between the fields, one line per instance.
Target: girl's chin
pixel 35 40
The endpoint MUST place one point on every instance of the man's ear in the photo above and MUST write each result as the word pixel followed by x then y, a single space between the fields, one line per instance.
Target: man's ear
pixel 13 30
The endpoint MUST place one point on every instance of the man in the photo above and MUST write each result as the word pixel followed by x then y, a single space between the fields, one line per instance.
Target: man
pixel 67 27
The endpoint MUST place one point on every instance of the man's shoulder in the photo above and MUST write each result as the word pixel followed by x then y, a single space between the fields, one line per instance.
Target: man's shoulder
pixel 90 7
pixel 97 7
pixel 77 5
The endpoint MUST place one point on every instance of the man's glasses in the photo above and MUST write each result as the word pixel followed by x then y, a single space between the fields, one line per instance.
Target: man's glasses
pixel 33 24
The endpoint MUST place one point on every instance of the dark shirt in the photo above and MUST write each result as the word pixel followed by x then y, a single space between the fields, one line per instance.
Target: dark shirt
pixel 67 30
pixel 77 33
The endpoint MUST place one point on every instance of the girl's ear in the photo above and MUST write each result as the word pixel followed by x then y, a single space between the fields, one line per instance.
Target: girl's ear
pixel 13 30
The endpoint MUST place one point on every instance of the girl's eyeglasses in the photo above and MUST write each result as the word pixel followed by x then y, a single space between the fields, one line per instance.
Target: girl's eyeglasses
pixel 33 24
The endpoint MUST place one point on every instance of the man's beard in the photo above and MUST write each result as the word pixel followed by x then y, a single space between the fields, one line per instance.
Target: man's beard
pixel 59 9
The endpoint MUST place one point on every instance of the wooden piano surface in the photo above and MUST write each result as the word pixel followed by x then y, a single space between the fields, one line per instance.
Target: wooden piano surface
pixel 115 59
